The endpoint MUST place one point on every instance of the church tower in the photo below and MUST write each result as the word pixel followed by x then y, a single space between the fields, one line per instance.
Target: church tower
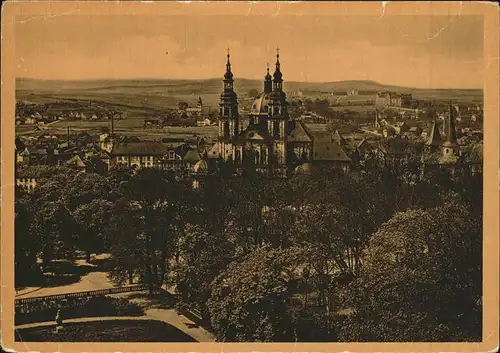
pixel 228 106
pixel 199 106
pixel 450 143
pixel 268 82
pixel 278 115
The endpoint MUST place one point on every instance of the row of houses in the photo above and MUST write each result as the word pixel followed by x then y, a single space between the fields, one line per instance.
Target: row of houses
pixel 392 99
pixel 109 150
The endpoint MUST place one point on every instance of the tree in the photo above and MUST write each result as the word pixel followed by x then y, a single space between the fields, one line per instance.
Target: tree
pixel 124 236
pixel 421 278
pixel 83 138
pixel 92 220
pixel 248 200
pixel 203 257
pixel 183 106
pixel 85 188
pixel 159 200
pixel 205 249
pixel 118 177
pixel 54 227
pixel 26 245
pixel 252 299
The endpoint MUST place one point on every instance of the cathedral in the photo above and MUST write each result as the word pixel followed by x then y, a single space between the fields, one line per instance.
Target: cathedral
pixel 272 142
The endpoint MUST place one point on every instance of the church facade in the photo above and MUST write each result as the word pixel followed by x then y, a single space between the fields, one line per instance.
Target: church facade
pixel 272 142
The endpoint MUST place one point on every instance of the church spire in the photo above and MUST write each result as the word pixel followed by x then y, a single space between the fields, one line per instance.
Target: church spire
pixel 450 131
pixel 228 105
pixel 268 81
pixel 228 75
pixel 278 77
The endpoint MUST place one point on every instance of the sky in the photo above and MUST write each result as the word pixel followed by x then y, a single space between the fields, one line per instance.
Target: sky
pixel 412 51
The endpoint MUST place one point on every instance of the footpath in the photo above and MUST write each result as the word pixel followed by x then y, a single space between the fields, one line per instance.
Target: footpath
pixel 158 307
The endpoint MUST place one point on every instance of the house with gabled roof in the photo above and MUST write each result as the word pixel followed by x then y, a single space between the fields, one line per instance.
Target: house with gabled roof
pixel 148 154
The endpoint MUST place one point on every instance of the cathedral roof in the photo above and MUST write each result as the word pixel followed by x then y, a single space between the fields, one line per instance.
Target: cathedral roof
pixel 260 104
pixel 326 149
pixel 435 137
pixel 300 133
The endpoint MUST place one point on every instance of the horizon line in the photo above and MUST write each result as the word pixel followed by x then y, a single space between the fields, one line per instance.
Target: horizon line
pixel 242 78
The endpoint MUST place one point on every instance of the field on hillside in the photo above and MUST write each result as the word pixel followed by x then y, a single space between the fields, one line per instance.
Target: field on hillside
pixel 129 127
pixel 151 96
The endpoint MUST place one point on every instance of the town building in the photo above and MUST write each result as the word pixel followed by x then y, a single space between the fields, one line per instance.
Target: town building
pixel 392 99
pixel 154 154
pixel 442 149
pixel 196 112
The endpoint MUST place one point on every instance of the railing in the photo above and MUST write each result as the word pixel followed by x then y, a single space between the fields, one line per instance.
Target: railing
pixel 91 293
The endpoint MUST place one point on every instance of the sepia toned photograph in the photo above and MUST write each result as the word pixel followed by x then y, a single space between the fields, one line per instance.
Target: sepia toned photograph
pixel 244 173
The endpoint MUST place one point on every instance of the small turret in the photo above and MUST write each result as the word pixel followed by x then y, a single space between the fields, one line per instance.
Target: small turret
pixel 268 81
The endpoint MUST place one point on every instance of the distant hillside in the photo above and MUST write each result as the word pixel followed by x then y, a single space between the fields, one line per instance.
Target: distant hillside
pixel 167 91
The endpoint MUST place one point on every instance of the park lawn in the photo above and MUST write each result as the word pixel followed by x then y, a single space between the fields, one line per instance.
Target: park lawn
pixel 106 331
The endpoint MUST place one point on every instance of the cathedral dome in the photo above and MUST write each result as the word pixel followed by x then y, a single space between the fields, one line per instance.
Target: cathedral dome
pixel 261 104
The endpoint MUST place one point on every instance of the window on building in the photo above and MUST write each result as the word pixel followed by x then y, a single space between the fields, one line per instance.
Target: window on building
pixel 276 128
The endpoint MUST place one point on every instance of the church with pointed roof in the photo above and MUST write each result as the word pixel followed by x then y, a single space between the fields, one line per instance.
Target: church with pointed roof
pixel 443 150
pixel 272 142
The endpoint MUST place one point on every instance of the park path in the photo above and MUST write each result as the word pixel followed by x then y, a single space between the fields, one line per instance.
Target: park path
pixel 160 308
pixel 154 308
pixel 91 281
pixel 168 316
pixel 81 319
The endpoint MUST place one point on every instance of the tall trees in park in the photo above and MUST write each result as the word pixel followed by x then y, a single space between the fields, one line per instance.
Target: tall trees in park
pixel 92 219
pixel 250 251
pixel 161 203
pixel 52 224
pixel 252 299
pixel 206 248
pixel 123 234
pixel 25 244
pixel 421 278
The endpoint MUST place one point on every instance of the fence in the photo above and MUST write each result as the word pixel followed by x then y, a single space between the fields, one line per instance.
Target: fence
pixel 114 290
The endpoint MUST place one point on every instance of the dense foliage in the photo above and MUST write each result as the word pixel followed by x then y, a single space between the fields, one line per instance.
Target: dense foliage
pixel 278 259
